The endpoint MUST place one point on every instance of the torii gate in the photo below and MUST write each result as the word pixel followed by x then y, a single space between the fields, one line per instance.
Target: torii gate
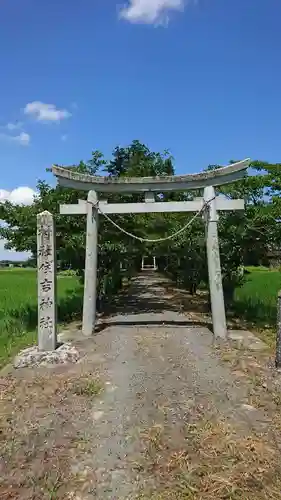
pixel 149 185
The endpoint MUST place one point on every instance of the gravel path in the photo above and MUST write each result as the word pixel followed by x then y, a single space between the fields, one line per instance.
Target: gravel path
pixel 163 385
pixel 159 374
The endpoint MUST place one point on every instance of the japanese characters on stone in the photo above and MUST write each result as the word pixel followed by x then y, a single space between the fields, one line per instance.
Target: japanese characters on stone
pixel 46 281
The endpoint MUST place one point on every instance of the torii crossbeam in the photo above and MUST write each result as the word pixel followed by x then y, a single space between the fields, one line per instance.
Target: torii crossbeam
pixel 107 184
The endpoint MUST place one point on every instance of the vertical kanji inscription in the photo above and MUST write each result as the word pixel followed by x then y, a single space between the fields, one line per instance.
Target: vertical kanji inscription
pixel 46 269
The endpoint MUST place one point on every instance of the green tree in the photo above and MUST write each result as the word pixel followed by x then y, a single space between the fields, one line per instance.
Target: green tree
pixel 244 237
pixel 20 229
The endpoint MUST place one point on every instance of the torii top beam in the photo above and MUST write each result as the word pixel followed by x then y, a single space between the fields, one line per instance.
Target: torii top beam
pixel 107 184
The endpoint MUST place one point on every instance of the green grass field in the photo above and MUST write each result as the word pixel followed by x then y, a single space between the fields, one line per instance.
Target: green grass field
pixel 256 300
pixel 18 307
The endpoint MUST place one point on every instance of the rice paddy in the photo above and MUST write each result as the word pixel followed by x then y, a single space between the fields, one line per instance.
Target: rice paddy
pixel 18 307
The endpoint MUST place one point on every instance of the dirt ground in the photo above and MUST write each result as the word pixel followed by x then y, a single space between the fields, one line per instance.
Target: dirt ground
pixel 154 410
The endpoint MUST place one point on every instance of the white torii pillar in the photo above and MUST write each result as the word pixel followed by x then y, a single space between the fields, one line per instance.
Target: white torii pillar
pixel 91 266
pixel 88 208
pixel 214 265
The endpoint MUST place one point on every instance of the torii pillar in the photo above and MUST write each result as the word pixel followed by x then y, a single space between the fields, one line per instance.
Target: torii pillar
pixel 91 261
pixel 214 265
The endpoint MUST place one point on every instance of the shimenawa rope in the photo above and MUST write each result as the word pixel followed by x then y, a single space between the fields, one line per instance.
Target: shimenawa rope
pixel 158 240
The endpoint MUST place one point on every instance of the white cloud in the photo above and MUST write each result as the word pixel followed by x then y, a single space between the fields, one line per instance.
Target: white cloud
pixel 150 11
pixel 23 139
pixel 4 195
pixel 46 112
pixel 21 195
pixel 64 137
pixel 14 126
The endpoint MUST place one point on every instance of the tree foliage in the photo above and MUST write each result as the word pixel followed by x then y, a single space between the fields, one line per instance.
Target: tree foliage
pixel 244 237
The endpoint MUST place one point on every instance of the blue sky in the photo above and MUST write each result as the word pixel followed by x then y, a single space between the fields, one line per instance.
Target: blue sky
pixel 201 78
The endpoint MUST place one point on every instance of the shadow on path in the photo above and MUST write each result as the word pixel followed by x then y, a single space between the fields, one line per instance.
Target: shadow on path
pixel 147 302
pixel 146 293
pixel 170 324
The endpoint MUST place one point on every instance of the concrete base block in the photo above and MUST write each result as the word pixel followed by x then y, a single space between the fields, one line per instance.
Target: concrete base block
pixel 247 340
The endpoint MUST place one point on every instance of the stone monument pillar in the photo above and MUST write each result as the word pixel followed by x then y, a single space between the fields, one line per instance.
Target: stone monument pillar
pixel 46 268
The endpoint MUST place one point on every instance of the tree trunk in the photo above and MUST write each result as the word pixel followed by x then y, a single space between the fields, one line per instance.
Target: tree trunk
pixel 228 294
pixel 278 336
